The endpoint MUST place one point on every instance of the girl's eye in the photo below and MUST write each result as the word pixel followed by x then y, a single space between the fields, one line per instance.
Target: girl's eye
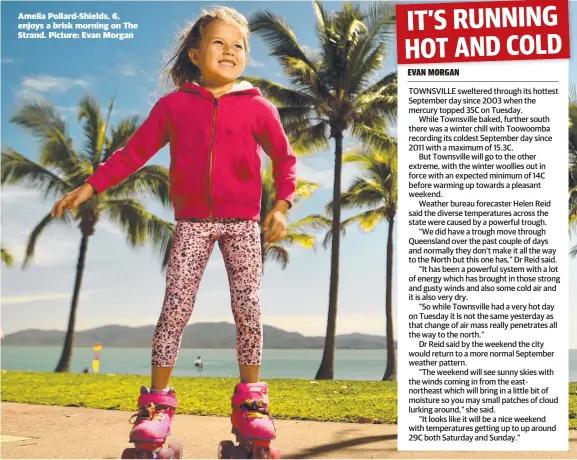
pixel 218 42
pixel 239 46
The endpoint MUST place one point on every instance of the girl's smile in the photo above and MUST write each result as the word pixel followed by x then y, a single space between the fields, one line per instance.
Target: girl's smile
pixel 221 55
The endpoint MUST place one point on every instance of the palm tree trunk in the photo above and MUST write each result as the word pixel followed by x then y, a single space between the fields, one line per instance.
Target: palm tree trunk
pixel 64 363
pixel 391 370
pixel 326 369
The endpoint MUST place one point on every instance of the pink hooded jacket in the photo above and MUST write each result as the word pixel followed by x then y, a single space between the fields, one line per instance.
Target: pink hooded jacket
pixel 215 165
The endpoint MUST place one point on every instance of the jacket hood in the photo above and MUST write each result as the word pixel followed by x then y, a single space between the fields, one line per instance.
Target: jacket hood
pixel 241 88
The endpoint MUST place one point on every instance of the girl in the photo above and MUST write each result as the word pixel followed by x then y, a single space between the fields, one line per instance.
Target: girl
pixel 215 128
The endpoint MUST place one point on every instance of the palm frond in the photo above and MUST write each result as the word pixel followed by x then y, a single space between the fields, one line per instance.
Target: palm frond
pixel 381 16
pixel 7 258
pixel 149 181
pixel 323 19
pixel 94 128
pixel 278 254
pixel 102 151
pixel 139 225
pixel 329 235
pixel 380 20
pixel 316 222
pixel 373 137
pixel 366 220
pixel 293 116
pixel 281 95
pixel 284 45
pixel 305 188
pixel 33 238
pixel 362 193
pixel 302 239
pixel 18 169
pixel 387 81
pixel 376 110
pixel 308 139
pixel 120 135
pixel 361 73
pixel 44 123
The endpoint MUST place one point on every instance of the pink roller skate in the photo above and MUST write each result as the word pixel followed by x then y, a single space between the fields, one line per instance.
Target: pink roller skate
pixel 251 423
pixel 152 426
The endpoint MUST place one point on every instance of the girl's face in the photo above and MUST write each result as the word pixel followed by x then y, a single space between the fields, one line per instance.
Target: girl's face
pixel 221 56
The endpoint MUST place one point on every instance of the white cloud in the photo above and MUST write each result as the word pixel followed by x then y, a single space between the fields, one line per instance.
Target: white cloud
pixel 254 63
pixel 49 251
pixel 325 176
pixel 7 60
pixel 13 300
pixel 31 96
pixel 127 70
pixel 123 70
pixel 17 194
pixel 67 109
pixel 34 88
pixel 48 83
pixel 111 228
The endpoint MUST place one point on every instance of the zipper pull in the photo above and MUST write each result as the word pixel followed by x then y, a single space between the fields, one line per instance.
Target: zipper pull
pixel 215 101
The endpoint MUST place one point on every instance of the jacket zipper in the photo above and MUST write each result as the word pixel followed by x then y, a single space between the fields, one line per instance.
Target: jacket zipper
pixel 215 106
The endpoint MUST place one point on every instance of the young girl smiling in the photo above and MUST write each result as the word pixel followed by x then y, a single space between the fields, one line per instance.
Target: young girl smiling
pixel 215 128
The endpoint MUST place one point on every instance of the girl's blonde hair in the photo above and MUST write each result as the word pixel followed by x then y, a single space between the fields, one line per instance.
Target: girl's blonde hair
pixel 179 68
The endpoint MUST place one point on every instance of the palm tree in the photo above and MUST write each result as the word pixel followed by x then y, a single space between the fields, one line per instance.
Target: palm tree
pixel 376 193
pixel 296 233
pixel 7 257
pixel 573 163
pixel 62 168
pixel 332 94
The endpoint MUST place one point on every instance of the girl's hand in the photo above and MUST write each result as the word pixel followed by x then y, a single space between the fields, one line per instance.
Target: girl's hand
pixel 71 200
pixel 275 222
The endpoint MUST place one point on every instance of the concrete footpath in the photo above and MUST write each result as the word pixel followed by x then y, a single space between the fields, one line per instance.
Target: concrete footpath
pixel 31 431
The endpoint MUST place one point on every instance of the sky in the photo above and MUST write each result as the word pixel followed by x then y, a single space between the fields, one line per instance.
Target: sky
pixel 123 285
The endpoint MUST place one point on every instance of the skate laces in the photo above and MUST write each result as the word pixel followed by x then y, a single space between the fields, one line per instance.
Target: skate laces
pixel 149 412
pixel 256 408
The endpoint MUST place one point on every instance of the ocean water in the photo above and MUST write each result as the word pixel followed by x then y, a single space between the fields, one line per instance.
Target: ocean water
pixel 299 364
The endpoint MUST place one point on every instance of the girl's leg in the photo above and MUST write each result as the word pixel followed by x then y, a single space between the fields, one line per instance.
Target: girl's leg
pixel 241 250
pixel 240 247
pixel 191 248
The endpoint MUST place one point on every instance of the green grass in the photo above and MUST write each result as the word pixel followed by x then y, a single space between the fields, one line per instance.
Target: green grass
pixel 327 400
pixel 573 406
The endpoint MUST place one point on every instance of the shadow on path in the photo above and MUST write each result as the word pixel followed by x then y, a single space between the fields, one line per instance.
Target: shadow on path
pixel 335 446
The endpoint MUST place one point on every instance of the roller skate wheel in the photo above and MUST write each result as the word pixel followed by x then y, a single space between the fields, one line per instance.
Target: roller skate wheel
pixel 275 453
pixel 137 453
pixel 261 452
pixel 177 450
pixel 165 453
pixel 225 449
pixel 128 453
pixel 240 452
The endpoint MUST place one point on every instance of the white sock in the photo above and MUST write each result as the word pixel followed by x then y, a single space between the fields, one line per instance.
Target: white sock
pixel 160 391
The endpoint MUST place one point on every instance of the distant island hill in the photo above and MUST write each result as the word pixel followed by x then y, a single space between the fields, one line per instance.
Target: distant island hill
pixel 199 335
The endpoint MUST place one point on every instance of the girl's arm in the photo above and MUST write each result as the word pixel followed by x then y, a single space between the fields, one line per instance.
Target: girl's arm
pixel 148 139
pixel 274 142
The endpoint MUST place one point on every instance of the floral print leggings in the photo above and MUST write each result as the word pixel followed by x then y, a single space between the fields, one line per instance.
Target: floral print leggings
pixel 193 242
